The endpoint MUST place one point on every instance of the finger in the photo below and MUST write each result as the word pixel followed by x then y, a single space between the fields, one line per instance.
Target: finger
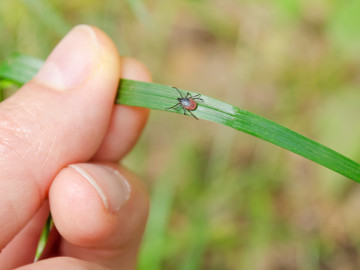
pixel 58 118
pixel 100 210
pixel 21 249
pixel 127 122
pixel 61 263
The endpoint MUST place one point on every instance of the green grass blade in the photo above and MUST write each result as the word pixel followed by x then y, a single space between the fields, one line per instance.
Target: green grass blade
pixel 2 96
pixel 160 97
pixel 139 9
pixel 154 245
pixel 195 253
pixel 19 68
pixel 43 238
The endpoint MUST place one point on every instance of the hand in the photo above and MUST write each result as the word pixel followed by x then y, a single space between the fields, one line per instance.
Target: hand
pixel 61 137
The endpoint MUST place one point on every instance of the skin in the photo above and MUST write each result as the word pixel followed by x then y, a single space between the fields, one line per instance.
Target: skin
pixel 54 122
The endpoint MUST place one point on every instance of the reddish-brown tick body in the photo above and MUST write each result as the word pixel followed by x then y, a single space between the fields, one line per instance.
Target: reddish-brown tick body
pixel 187 102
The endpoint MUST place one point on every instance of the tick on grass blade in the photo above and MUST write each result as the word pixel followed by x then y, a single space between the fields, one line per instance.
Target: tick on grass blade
pixel 187 102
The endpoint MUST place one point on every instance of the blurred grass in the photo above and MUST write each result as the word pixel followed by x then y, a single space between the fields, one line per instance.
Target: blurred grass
pixel 225 200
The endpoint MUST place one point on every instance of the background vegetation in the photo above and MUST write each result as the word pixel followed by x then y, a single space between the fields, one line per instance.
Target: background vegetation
pixel 222 199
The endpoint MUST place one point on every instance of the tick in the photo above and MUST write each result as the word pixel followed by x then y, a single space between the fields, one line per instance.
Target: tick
pixel 187 102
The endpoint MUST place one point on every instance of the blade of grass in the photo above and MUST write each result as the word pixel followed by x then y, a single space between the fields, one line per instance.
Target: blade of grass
pixel 21 68
pixel 154 243
pixel 195 253
pixel 159 97
pixel 43 238
pixel 2 96
pixel 140 11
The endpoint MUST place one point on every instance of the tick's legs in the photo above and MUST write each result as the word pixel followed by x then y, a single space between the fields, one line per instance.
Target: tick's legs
pixel 178 91
pixel 173 107
pixel 184 111
pixel 193 115
pixel 188 95
pixel 197 97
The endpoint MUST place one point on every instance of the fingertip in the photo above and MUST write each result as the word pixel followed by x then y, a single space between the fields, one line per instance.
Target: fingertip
pixel 98 206
pixel 75 205
pixel 133 69
pixel 110 55
pixel 127 122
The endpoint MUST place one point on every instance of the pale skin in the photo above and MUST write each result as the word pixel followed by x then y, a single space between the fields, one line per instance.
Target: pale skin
pixel 61 139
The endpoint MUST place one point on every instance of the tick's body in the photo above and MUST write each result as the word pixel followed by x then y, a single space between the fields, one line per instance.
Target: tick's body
pixel 187 102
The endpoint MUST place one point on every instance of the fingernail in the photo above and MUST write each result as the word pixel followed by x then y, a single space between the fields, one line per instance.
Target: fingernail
pixel 72 60
pixel 112 187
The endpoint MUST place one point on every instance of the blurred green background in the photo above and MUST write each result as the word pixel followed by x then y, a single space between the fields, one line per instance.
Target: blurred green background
pixel 222 199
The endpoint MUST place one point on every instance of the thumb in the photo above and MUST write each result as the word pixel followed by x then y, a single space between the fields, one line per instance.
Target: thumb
pixel 58 118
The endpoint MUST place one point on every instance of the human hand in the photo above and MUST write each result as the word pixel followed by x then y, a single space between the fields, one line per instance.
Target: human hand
pixel 61 135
